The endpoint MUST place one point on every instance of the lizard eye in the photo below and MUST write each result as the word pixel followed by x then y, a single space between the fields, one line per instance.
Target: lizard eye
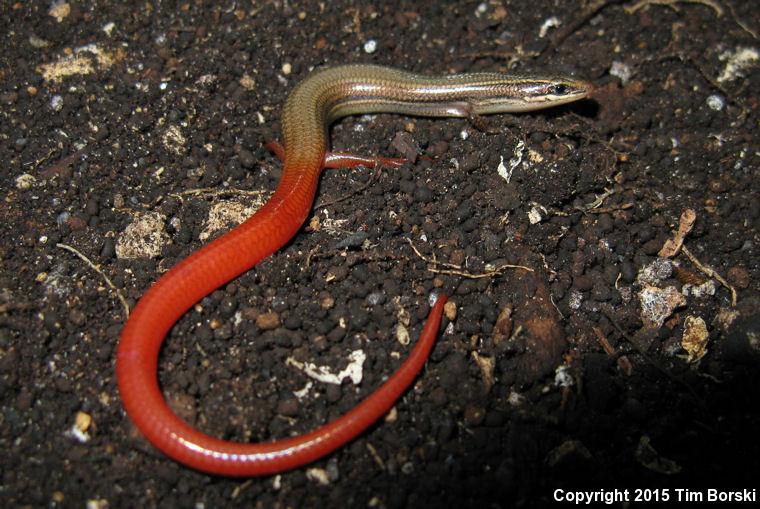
pixel 559 89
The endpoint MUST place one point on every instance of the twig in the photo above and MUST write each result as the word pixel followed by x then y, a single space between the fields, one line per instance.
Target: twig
pixel 362 255
pixel 650 360
pixel 309 256
pixel 622 361
pixel 588 13
pixel 456 270
pixel 376 456
pixel 597 202
pixel 492 273
pixel 672 4
pixel 740 23
pixel 606 346
pixel 240 489
pixel 572 130
pixel 595 207
pixel 431 260
pixel 211 191
pixel 605 210
pixel 516 333
pixel 40 160
pixel 733 98
pixel 710 272
pixel 671 247
pixel 356 191
pixel 512 57
pixel 96 268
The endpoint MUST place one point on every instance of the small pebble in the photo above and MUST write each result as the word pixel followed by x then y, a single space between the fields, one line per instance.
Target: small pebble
pixel 376 298
pixel 438 148
pixel 423 194
pixel 439 396
pixel 268 321
pixel 404 144
pixel 474 415
pixel 288 407
pixel 247 160
pixel 333 393
pixel 227 307
pixel 585 282
pixel 326 301
pixel 62 218
pixel 450 310
pixel 9 98
pixel 92 207
pixel 102 133
pixel 77 317
pixel 716 102
pixel 651 247
pixel 605 223
pixel 336 334
pixel 739 277
pixel 469 162
pixel 9 361
pixel 355 240
pixel 333 472
pixel 108 250
pixel 50 320
pixel 292 322
pixel 370 46
pixel 627 271
pixel 223 332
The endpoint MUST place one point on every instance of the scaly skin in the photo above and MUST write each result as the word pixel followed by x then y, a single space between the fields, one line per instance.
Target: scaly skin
pixel 311 107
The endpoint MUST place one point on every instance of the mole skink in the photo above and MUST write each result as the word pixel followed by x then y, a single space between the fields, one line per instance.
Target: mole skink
pixel 324 96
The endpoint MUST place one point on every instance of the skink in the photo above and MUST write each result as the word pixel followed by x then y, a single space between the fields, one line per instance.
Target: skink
pixel 323 97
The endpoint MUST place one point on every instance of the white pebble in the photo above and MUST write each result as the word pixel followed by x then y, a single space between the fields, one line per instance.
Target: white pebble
pixel 575 299
pixel 62 218
pixel 549 23
pixel 25 181
pixel 621 71
pixel 370 46
pixel 56 103
pixel 716 102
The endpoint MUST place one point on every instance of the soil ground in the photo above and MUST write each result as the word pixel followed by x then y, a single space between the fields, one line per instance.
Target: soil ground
pixel 608 364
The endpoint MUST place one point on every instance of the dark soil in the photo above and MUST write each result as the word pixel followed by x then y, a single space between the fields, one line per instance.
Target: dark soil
pixel 543 380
